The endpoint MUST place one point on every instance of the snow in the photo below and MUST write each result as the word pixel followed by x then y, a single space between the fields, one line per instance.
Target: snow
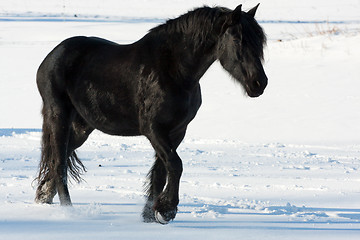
pixel 281 166
pixel 228 187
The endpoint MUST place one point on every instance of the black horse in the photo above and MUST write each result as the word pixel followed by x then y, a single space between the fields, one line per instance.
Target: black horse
pixel 150 88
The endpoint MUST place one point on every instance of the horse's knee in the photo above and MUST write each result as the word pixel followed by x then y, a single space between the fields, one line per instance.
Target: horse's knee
pixel 174 165
pixel 157 178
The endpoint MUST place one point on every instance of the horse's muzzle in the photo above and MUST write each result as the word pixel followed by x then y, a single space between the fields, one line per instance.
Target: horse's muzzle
pixel 257 87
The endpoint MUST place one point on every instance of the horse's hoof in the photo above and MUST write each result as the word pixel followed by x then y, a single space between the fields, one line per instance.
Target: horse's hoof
pixel 165 217
pixel 160 219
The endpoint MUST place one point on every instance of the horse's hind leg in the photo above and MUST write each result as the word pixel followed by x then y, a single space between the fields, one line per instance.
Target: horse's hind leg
pixel 53 175
pixel 47 188
pixel 53 165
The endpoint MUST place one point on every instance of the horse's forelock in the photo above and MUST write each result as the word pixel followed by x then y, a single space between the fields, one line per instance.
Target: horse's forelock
pixel 253 35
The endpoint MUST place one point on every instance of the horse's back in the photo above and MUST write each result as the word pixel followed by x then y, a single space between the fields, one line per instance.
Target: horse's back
pixel 81 43
pixel 69 51
pixel 68 59
pixel 75 47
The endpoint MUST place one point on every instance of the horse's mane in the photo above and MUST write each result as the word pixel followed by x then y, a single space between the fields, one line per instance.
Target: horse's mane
pixel 196 24
pixel 198 18
pixel 200 22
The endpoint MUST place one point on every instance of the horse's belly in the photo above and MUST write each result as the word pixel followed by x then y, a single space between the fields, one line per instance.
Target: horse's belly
pixel 119 130
pixel 109 118
pixel 121 126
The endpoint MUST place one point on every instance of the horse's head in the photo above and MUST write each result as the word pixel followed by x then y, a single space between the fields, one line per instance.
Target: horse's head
pixel 240 50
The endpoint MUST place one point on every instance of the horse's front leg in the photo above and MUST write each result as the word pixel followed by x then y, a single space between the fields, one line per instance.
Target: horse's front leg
pixel 165 204
pixel 157 181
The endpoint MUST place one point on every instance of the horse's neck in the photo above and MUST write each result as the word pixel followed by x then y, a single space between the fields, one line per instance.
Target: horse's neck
pixel 183 58
pixel 195 58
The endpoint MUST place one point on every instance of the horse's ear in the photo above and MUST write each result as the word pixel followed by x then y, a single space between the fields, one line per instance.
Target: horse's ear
pixel 230 19
pixel 236 15
pixel 252 11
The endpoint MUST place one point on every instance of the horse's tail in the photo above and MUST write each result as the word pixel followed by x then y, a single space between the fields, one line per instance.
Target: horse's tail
pixel 48 165
pixel 75 167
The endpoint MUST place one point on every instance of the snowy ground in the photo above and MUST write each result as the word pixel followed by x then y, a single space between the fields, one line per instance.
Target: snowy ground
pixel 229 188
pixel 282 166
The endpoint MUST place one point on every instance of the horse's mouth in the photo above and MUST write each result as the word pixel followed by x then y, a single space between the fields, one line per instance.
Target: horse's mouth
pixel 256 88
pixel 253 93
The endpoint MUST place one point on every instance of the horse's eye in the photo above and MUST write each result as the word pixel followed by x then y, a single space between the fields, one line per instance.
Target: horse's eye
pixel 237 41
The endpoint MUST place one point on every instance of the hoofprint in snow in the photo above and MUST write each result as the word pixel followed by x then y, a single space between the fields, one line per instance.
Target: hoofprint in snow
pixel 227 185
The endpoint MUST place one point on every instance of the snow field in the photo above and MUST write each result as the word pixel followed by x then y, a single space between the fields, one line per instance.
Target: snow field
pixel 227 186
pixel 282 166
